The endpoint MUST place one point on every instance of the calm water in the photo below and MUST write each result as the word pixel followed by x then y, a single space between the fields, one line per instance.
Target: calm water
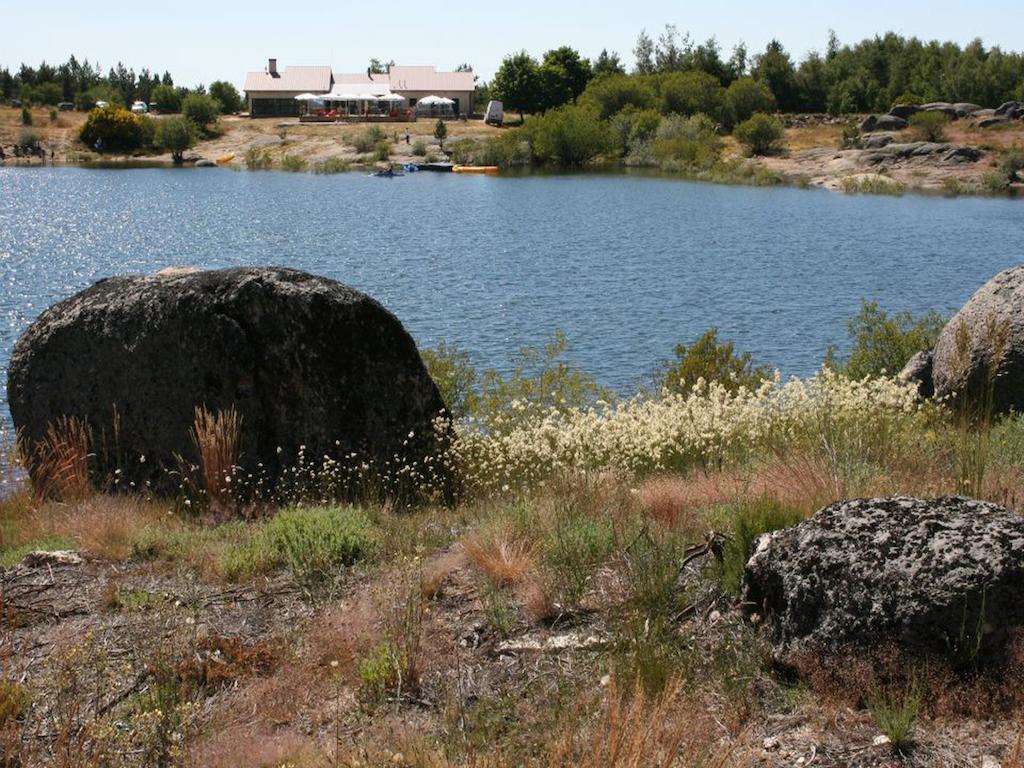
pixel 628 266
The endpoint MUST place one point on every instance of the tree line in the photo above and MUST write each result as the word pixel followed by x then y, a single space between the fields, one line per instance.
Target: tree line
pixel 83 84
pixel 868 76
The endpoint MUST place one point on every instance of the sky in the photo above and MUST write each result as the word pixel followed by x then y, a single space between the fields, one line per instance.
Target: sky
pixel 199 42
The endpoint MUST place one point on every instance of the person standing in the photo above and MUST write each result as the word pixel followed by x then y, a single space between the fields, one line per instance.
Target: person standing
pixel 408 136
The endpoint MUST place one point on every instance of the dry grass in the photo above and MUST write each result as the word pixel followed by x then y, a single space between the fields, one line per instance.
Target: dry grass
pixel 504 560
pixel 107 526
pixel 59 463
pixel 813 137
pixel 216 436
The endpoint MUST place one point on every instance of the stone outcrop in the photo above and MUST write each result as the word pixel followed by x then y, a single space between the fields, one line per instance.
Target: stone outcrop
pixel 919 371
pixel 983 345
pixel 942 576
pixel 309 364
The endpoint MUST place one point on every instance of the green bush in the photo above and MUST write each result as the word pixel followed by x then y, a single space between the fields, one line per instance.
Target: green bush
pixel 1011 164
pixel 691 93
pixel 909 100
pixel 419 148
pixel 26 116
pixel 873 184
pixel 332 165
pixel 48 93
pixel 851 136
pixel 760 135
pixel 367 141
pixel 381 151
pixel 745 97
pixel 686 143
pixel 257 159
pixel 568 135
pixel 572 550
pixel 175 135
pixel 167 98
pixel 311 542
pixel 201 110
pixel 28 140
pixel 633 128
pixel 115 128
pixel 610 95
pixel 711 360
pixel 896 716
pixel 929 126
pixel 456 378
pixel 883 343
pixel 440 132
pixel 226 95
pixel 748 521
pixel 53 115
pixel 293 163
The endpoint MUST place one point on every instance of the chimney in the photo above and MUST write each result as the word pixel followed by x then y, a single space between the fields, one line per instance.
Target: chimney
pixel 272 67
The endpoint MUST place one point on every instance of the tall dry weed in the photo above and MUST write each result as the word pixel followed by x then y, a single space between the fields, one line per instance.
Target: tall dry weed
pixel 59 463
pixel 216 436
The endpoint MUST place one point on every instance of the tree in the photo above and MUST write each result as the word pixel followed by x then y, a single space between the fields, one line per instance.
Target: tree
pixel 607 64
pixel 43 93
pixel 378 67
pixel 440 132
pixel 611 94
pixel 775 69
pixel 517 83
pixel 112 128
pixel 568 135
pixel 175 135
pixel 883 343
pixel 228 96
pixel 643 52
pixel 564 75
pixel 760 135
pixel 746 96
pixel 167 98
pixel 689 93
pixel 201 110
pixel 712 360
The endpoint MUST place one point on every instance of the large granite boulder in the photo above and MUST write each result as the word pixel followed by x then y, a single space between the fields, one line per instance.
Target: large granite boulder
pixel 944 576
pixel 889 123
pixel 918 371
pixel 905 111
pixel 310 364
pixel 983 345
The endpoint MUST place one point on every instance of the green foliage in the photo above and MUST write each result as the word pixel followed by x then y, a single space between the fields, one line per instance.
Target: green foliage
pixel 760 135
pixel 1010 165
pixel 576 545
pixel 53 115
pixel 908 99
pixel 175 135
pixel 14 701
pixel 226 95
pixel 883 343
pixel 28 140
pixel 367 140
pixel 167 99
pixel 293 163
pixel 380 672
pixel 929 126
pixel 611 94
pixel 691 93
pixel 200 109
pixel 115 128
pixel 686 143
pixel 748 521
pixel 569 135
pixel 873 184
pixel 633 129
pixel 440 132
pixel 895 715
pixel 311 542
pixel 456 378
pixel 332 165
pixel 745 97
pixel 851 136
pixel 563 76
pixel 44 93
pixel 381 151
pixel 517 83
pixel 419 148
pixel 26 116
pixel 257 159
pixel 711 360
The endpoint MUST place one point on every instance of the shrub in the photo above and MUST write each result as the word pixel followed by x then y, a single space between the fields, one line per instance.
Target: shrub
pixel 851 136
pixel 200 109
pixel 610 95
pixel 929 126
pixel 750 520
pixel 1011 164
pixel 14 701
pixel 456 378
pixel 575 546
pixel 26 116
pixel 632 128
pixel 332 165
pixel 896 717
pixel 28 140
pixel 686 143
pixel 908 99
pixel 419 148
pixel 167 98
pixel 871 184
pixel 112 128
pixel 690 93
pixel 711 360
pixel 257 159
pixel 745 97
pixel 381 151
pixel 367 140
pixel 760 135
pixel 569 135
pixel 53 115
pixel 293 163
pixel 440 132
pixel 883 343
pixel 175 135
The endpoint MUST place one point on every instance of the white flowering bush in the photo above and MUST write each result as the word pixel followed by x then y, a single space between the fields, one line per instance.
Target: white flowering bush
pixel 843 421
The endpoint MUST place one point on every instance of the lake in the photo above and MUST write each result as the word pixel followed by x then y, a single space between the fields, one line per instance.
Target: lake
pixel 627 265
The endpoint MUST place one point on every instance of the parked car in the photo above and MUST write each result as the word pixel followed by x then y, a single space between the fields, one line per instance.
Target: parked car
pixel 101 104
pixel 15 102
pixel 65 106
pixel 140 108
pixel 495 113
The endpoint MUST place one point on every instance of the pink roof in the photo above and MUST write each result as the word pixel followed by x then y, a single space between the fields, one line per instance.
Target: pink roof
pixel 360 78
pixel 429 79
pixel 298 79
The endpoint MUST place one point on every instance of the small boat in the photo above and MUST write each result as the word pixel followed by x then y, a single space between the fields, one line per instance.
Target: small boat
pixel 225 159
pixel 410 168
pixel 387 174
pixel 488 170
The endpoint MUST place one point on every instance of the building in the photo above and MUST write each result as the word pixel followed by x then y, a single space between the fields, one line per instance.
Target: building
pixel 272 92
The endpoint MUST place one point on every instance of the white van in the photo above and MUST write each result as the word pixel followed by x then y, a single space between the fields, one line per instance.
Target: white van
pixel 140 108
pixel 495 114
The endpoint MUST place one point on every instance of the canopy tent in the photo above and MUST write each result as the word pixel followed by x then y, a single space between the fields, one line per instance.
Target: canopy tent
pixel 309 97
pixel 435 106
pixel 392 98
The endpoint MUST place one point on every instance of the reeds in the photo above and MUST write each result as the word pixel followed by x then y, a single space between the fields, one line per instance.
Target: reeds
pixel 59 463
pixel 216 436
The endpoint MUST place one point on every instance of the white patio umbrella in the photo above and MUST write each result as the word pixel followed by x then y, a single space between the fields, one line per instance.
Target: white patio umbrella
pixel 392 98
pixel 308 97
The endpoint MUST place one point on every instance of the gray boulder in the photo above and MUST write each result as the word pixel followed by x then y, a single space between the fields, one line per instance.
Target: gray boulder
pixel 868 124
pixel 919 371
pixel 990 345
pixel 944 576
pixel 876 141
pixel 305 360
pixel 962 155
pixel 1009 106
pixel 890 123
pixel 904 111
pixel 205 163
pixel 991 122
pixel 966 109
pixel 940 106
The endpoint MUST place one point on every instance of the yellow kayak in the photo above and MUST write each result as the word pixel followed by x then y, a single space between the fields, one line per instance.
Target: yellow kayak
pixel 490 170
pixel 225 159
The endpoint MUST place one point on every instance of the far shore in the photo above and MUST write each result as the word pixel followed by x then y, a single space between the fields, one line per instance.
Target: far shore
pixel 812 157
